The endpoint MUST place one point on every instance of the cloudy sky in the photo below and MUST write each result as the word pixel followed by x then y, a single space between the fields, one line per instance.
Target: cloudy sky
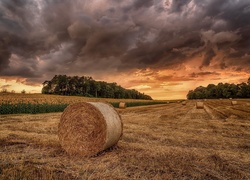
pixel 161 47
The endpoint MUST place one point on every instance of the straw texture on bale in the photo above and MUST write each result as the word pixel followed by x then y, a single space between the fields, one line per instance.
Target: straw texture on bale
pixel 87 128
pixel 233 102
pixel 199 105
pixel 122 105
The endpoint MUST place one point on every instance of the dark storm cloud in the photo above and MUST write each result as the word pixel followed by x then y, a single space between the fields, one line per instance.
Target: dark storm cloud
pixel 177 5
pixel 4 55
pixel 208 57
pixel 235 12
pixel 142 4
pixel 25 72
pixel 202 74
pixel 20 10
pixel 242 47
pixel 40 38
pixel 171 78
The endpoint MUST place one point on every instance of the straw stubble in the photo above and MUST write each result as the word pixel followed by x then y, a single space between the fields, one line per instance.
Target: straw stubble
pixel 199 105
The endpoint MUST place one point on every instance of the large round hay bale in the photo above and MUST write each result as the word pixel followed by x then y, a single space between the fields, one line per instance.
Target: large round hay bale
pixel 122 105
pixel 183 102
pixel 199 105
pixel 234 102
pixel 87 128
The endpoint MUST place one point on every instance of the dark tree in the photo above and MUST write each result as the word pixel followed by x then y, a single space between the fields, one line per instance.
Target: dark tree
pixel 86 86
pixel 221 91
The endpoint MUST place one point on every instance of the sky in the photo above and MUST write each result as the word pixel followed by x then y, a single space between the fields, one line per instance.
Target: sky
pixel 163 48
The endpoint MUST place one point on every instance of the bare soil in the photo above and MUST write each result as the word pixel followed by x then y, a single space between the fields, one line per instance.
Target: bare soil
pixel 171 141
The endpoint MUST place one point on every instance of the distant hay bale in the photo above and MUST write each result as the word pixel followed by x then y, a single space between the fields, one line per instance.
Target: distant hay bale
pixel 199 105
pixel 87 128
pixel 122 105
pixel 184 103
pixel 230 98
pixel 234 102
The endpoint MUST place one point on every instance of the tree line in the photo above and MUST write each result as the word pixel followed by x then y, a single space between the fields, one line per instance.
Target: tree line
pixel 222 90
pixel 88 87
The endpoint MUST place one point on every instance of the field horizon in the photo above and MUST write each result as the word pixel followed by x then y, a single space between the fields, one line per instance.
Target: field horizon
pixel 40 94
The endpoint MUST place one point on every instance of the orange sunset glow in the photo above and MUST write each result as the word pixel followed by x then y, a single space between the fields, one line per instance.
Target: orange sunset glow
pixel 158 48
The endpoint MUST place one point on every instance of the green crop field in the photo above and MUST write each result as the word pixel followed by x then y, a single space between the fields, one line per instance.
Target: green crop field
pixel 40 103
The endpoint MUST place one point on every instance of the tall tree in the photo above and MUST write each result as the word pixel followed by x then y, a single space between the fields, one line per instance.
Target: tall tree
pixel 87 86
pixel 221 91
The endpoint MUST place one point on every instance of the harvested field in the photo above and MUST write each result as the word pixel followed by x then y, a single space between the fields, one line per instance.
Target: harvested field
pixel 169 141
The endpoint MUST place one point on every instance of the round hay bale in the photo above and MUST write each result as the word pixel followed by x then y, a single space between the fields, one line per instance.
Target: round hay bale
pixel 199 105
pixel 184 103
pixel 87 128
pixel 122 105
pixel 234 102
